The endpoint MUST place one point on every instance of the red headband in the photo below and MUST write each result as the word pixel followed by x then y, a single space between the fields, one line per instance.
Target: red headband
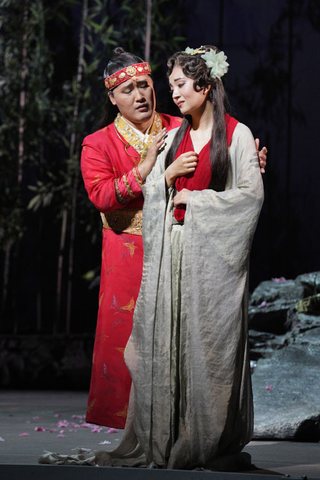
pixel 126 73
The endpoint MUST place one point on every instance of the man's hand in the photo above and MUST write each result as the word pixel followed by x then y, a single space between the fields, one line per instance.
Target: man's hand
pixel 147 165
pixel 262 156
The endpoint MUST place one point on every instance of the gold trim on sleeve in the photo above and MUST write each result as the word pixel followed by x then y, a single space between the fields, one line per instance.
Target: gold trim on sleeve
pixel 118 194
pixel 137 177
pixel 132 195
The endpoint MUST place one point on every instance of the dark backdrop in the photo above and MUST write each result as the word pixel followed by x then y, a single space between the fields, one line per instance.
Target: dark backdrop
pixel 273 81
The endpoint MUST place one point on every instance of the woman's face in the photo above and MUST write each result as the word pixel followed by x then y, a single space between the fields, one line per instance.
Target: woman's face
pixel 135 100
pixel 184 95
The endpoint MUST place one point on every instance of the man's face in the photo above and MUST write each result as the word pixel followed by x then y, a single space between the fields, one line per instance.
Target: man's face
pixel 135 100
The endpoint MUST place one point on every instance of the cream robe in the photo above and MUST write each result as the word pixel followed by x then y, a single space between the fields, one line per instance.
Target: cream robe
pixel 192 386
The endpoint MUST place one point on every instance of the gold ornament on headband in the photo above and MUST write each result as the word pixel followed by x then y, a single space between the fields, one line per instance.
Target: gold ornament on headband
pixel 194 51
pixel 126 73
pixel 215 61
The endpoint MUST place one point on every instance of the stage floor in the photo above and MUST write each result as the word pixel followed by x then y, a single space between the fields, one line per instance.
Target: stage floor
pixel 33 421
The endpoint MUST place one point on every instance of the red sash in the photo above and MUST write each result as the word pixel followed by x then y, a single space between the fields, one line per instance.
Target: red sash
pixel 200 178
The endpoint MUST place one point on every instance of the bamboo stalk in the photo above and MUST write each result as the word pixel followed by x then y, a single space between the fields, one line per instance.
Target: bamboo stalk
pixel 22 101
pixel 6 271
pixel 148 31
pixel 76 174
pixel 56 324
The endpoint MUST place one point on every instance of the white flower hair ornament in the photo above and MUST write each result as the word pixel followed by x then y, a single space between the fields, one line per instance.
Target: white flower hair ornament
pixel 215 61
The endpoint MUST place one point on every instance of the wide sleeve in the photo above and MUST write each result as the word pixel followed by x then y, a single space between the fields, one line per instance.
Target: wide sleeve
pixel 156 176
pixel 106 190
pixel 226 221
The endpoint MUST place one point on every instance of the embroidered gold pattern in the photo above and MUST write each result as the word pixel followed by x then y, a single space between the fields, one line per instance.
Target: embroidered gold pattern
pixel 130 136
pixel 91 405
pixel 102 337
pixel 126 73
pixel 123 413
pixel 130 306
pixel 118 194
pixel 131 71
pixel 137 176
pixel 120 349
pixel 101 298
pixel 131 248
pixel 132 195
pixel 96 179
pixel 126 221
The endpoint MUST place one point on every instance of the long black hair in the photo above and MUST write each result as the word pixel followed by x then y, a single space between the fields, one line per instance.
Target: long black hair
pixel 193 66
pixel 119 59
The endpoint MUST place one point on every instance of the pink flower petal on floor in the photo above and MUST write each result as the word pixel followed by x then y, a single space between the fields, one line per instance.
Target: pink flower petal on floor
pixel 28 421
pixel 1 439
pixel 96 430
pixel 53 430
pixel 24 434
pixel 61 435
pixel 268 387
pixel 79 417
pixel 62 423
pixel 57 415
pixel 40 429
pixel 87 425
pixel 75 425
pixel 36 417
pixel 62 431
pixel 112 430
pixel 106 442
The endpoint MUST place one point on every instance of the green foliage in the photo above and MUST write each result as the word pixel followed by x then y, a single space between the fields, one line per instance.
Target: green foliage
pixel 166 29
pixel 51 96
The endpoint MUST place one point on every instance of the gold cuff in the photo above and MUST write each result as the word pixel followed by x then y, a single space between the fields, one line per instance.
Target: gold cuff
pixel 132 195
pixel 137 176
pixel 118 194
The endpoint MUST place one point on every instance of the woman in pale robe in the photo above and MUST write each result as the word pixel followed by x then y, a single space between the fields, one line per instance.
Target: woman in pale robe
pixel 191 400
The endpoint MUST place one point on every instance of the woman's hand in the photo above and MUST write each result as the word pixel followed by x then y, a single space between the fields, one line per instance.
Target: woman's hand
pixel 184 164
pixel 262 156
pixel 147 165
pixel 181 198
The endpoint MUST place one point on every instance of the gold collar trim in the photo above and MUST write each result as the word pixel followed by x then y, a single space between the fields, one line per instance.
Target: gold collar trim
pixel 133 139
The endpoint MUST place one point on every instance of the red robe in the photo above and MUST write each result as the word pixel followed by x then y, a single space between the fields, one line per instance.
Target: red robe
pixel 112 183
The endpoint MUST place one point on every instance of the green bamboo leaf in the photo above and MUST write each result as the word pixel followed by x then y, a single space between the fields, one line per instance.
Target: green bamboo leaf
pixel 47 199
pixel 89 275
pixel 34 203
pixel 88 48
pixel 94 25
pixel 87 93
pixel 65 141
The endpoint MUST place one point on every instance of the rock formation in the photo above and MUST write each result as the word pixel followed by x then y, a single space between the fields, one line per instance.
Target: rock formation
pixel 284 336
